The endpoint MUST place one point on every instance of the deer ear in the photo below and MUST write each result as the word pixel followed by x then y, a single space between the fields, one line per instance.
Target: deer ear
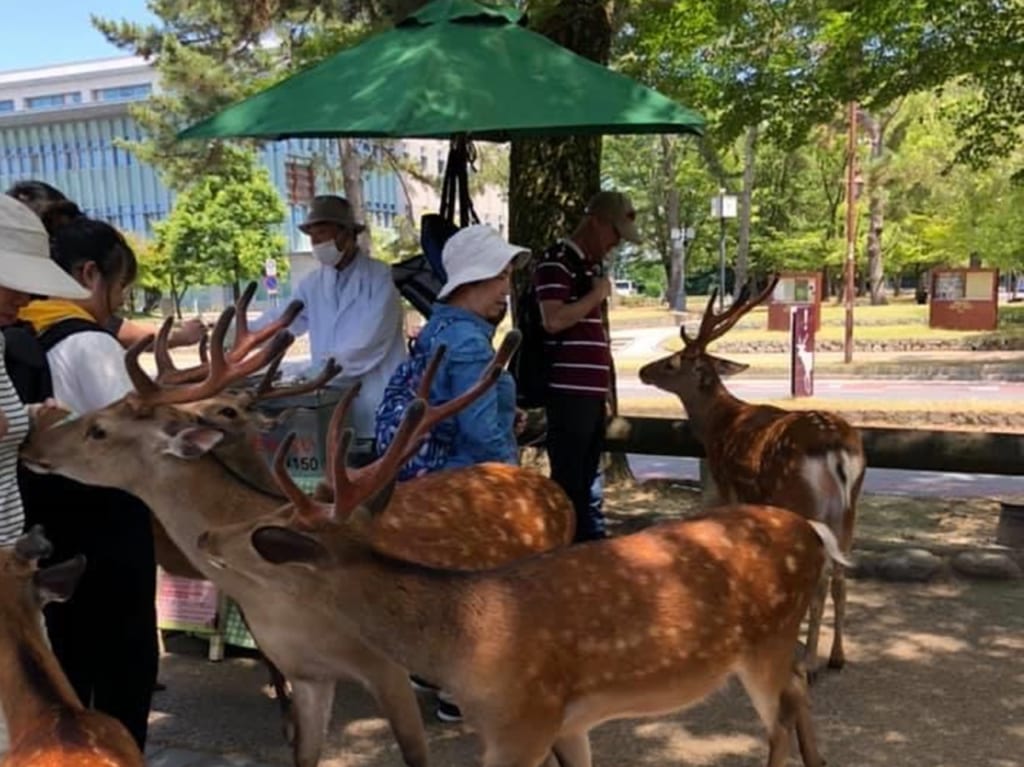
pixel 57 583
pixel 726 368
pixel 193 442
pixel 280 545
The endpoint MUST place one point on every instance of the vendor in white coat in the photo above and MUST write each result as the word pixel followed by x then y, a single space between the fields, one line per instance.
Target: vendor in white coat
pixel 352 310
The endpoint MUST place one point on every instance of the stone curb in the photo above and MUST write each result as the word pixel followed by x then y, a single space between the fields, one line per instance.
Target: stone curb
pixel 901 561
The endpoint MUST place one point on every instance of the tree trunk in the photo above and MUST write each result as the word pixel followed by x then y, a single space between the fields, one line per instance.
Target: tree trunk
pixel 876 209
pixel 746 210
pixel 677 267
pixel 175 295
pixel 352 179
pixel 551 180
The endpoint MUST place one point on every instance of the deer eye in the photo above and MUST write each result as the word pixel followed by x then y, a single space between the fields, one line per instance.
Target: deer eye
pixel 228 412
pixel 96 432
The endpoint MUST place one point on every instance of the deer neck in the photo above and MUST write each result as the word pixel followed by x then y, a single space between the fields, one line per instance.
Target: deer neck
pixel 708 403
pixel 32 685
pixel 191 497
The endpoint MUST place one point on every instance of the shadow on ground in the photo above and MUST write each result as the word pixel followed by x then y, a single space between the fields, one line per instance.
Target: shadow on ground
pixel 935 679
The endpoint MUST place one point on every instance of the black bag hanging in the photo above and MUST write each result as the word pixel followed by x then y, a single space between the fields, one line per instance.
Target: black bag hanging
pixel 415 283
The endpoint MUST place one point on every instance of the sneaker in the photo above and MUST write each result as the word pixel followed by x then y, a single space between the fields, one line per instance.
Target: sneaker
pixel 446 710
pixel 421 685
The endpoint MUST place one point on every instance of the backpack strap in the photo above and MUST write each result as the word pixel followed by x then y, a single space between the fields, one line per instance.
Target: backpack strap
pixel 57 332
pixel 25 360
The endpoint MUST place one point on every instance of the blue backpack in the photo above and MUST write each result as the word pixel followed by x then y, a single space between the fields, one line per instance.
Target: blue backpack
pixel 400 391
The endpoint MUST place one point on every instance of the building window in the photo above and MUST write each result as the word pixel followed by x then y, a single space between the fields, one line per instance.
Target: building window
pixel 53 101
pixel 7 105
pixel 123 93
pixel 440 164
pixel 300 182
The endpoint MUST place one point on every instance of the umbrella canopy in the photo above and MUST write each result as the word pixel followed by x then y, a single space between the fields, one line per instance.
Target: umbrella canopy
pixel 454 67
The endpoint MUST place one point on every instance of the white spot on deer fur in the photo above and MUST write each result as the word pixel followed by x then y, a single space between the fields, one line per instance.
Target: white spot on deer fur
pixel 790 563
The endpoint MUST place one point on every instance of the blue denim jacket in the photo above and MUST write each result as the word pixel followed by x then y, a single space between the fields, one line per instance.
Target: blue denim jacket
pixel 485 429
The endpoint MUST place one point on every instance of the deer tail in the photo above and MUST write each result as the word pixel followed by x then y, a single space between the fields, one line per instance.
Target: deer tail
pixel 846 468
pixel 828 540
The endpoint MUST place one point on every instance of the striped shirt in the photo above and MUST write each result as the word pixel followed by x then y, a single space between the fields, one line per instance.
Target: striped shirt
pixel 12 517
pixel 580 356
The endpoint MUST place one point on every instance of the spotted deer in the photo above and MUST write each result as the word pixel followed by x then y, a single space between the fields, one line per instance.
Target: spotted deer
pixel 538 652
pixel 150 445
pixel 46 722
pixel 808 461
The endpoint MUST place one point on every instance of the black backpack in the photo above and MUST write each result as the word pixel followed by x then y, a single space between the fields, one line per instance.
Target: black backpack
pixel 25 356
pixel 530 364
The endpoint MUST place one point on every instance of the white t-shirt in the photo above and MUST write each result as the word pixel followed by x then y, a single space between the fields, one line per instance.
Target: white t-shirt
pixel 12 516
pixel 355 316
pixel 88 371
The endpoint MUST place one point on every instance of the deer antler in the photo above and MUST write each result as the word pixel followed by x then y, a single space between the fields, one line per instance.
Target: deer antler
pixel 267 391
pixel 714 325
pixel 245 341
pixel 310 513
pixel 222 372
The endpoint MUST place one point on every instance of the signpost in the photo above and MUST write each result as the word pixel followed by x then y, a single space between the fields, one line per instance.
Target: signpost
pixel 723 206
pixel 801 350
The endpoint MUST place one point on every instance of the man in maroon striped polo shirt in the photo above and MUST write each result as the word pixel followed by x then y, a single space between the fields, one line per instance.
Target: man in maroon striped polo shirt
pixel 571 287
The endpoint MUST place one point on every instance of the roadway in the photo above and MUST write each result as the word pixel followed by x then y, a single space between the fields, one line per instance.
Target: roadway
pixel 871 389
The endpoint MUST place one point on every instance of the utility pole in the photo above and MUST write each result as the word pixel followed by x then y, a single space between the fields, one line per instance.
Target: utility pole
pixel 851 230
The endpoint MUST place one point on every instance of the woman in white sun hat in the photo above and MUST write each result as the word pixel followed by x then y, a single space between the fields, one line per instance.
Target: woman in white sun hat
pixel 25 271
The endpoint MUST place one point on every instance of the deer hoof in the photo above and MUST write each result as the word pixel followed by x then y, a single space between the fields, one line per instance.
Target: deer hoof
pixel 836 663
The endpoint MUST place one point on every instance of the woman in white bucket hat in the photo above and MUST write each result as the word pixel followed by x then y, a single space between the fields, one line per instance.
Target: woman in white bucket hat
pixel 25 271
pixel 470 305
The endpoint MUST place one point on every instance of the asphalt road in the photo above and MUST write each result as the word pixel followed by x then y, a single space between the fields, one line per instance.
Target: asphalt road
pixel 852 389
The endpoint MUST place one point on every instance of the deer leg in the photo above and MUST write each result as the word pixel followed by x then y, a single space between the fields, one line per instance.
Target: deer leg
pixel 795 700
pixel 814 627
pixel 389 685
pixel 780 697
pixel 527 742
pixel 312 702
pixel 573 750
pixel 283 696
pixel 837 658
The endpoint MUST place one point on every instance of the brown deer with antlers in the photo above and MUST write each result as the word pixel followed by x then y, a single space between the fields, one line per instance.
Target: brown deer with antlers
pixel 540 651
pixel 47 723
pixel 152 446
pixel 810 461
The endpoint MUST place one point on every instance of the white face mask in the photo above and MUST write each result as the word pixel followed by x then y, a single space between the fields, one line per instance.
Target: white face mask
pixel 327 253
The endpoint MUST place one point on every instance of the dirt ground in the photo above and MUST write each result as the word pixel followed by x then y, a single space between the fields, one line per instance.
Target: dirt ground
pixel 935 676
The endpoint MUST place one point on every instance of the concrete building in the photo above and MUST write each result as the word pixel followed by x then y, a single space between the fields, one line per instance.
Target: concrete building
pixel 62 124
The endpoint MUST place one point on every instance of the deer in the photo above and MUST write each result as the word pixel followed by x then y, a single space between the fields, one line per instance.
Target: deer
pixel 150 445
pixel 809 461
pixel 539 651
pixel 46 721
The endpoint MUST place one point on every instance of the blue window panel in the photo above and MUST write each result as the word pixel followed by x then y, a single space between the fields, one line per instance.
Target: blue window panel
pixel 123 93
pixel 6 106
pixel 53 100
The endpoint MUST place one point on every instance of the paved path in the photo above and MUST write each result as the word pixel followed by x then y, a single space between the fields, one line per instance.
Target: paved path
pixel 879 481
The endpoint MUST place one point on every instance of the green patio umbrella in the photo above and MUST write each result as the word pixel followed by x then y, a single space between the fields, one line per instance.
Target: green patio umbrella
pixel 454 67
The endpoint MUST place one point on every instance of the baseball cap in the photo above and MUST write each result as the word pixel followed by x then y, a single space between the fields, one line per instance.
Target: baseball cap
pixel 475 253
pixel 615 208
